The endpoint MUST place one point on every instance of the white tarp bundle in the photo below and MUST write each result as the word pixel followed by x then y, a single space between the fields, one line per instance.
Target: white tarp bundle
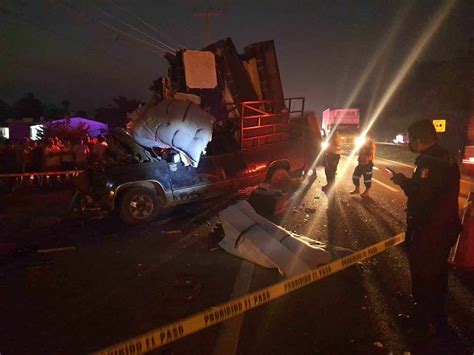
pixel 176 124
pixel 253 237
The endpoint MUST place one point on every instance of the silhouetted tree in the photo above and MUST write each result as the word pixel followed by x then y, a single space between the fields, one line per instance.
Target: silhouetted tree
pixel 52 112
pixel 6 111
pixel 64 131
pixel 28 106
pixel 116 116
pixel 65 104
pixel 81 113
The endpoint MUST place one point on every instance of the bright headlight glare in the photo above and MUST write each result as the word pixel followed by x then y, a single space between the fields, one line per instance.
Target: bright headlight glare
pixel 359 141
pixel 324 145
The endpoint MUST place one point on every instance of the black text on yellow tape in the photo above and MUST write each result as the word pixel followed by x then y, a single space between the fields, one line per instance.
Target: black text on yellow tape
pixel 174 331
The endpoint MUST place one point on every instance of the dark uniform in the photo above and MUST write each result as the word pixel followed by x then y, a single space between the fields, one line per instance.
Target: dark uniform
pixel 432 227
pixel 331 158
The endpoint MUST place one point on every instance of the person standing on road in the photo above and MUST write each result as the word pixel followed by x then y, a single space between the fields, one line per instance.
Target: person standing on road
pixel 433 225
pixel 332 155
pixel 364 167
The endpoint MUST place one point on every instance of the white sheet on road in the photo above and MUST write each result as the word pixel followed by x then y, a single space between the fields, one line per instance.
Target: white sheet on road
pixel 253 237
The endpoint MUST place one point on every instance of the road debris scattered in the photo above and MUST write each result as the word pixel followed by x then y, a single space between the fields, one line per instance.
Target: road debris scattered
pixel 186 289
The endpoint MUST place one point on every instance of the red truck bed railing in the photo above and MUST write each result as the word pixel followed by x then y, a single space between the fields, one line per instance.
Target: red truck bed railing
pixel 258 126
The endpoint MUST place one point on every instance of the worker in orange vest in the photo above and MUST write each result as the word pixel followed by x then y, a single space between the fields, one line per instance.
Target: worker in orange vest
pixel 365 166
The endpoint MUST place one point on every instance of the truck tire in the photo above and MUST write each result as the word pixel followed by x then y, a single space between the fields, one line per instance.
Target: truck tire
pixel 139 205
pixel 280 179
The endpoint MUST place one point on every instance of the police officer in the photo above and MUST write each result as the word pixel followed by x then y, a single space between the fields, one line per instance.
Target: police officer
pixel 432 224
pixel 365 167
pixel 332 155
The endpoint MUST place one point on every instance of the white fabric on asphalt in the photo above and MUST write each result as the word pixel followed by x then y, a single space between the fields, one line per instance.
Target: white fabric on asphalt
pixel 253 237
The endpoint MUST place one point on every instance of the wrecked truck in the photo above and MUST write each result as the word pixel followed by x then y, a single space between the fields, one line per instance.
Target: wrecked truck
pixel 217 124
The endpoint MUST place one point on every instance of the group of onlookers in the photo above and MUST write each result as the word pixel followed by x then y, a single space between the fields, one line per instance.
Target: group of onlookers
pixel 50 154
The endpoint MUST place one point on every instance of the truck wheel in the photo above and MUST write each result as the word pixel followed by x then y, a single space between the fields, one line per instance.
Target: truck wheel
pixel 139 205
pixel 280 179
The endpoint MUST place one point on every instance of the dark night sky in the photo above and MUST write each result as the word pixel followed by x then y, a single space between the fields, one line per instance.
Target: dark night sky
pixel 322 46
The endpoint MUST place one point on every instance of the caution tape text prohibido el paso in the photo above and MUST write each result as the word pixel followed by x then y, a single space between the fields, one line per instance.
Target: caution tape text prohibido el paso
pixel 214 315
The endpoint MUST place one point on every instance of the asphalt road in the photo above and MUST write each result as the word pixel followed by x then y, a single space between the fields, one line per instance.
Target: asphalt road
pixel 123 281
pixel 358 310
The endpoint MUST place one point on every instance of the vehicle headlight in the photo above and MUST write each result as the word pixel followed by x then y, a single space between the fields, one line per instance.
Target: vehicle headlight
pixel 359 141
pixel 324 145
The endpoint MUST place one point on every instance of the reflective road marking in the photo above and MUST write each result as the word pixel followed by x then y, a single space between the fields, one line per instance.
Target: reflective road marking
pixel 385 185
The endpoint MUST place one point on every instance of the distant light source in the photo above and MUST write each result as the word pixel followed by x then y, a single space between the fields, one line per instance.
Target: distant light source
pixel 5 132
pixel 469 160
pixel 35 131
pixel 399 139
pixel 324 145
pixel 360 141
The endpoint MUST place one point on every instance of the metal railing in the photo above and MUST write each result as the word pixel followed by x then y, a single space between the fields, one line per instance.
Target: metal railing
pixel 260 123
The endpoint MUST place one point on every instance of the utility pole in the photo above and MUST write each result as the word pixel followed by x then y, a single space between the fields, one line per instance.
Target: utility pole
pixel 207 15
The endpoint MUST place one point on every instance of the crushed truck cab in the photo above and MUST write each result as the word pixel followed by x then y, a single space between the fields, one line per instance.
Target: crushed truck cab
pixel 220 122
pixel 138 192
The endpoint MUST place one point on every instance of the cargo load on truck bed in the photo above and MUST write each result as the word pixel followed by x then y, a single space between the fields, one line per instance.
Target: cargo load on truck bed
pixel 215 92
pixel 180 125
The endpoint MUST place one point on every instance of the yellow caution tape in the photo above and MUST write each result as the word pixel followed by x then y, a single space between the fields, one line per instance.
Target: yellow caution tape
pixel 169 333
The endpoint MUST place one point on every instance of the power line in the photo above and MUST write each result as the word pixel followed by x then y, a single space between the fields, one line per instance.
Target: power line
pixel 23 21
pixel 13 17
pixel 116 30
pixel 147 24
pixel 112 28
pixel 136 29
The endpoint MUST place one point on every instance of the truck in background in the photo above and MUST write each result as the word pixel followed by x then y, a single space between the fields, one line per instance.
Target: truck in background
pixel 347 123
